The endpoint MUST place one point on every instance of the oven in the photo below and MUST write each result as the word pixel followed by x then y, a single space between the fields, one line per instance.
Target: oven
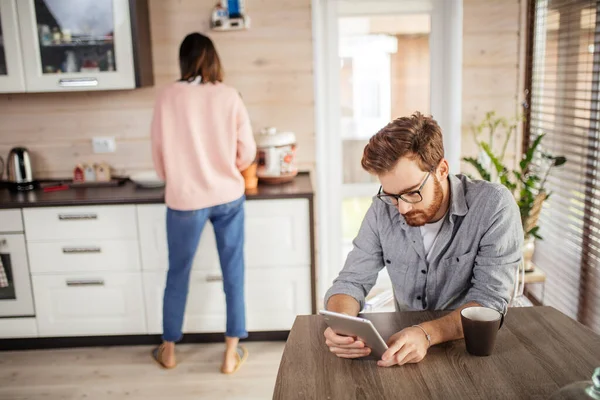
pixel 16 297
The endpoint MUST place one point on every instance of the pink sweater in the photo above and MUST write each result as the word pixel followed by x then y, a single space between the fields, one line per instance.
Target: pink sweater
pixel 201 140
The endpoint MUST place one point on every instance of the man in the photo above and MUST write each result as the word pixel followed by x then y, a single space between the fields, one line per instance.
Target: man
pixel 447 242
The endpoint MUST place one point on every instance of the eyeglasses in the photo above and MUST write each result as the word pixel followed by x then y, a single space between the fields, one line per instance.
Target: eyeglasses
pixel 412 197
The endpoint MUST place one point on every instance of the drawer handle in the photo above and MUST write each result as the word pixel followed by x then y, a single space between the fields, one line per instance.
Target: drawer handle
pixel 3 242
pixel 74 217
pixel 79 250
pixel 78 82
pixel 86 282
pixel 214 278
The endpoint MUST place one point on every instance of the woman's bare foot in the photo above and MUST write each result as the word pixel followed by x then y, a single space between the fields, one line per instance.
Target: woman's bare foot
pixel 231 357
pixel 167 356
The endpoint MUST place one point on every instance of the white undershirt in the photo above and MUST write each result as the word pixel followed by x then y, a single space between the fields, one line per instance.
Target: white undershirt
pixel 429 233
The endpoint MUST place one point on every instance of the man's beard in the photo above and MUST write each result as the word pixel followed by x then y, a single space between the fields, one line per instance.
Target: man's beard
pixel 421 217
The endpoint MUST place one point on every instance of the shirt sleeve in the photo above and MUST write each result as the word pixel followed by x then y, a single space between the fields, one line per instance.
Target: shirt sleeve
pixel 157 143
pixel 363 264
pixel 498 257
pixel 246 146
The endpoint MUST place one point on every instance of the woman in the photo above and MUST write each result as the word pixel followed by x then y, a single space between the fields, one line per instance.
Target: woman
pixel 201 140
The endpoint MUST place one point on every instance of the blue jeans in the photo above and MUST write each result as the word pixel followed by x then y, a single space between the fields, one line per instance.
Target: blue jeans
pixel 183 235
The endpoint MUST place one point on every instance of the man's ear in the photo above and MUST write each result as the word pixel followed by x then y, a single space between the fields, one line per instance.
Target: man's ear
pixel 443 170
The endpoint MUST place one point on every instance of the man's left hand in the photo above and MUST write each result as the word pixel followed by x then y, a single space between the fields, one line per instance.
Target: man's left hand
pixel 410 345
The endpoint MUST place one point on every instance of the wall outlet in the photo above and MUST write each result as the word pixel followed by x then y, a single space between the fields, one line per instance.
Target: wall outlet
pixel 104 145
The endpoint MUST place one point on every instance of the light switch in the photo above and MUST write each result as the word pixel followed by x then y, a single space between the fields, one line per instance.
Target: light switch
pixel 104 145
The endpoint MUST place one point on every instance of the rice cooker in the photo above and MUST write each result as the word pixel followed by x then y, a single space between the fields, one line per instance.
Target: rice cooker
pixel 276 156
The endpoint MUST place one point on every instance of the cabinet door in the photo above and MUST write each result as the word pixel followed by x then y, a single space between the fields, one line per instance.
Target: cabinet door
pixel 153 241
pixel 277 233
pixel 11 67
pixel 275 296
pixel 89 304
pixel 76 45
pixel 205 308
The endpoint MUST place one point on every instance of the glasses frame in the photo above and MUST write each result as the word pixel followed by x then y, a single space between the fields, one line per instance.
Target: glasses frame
pixel 395 198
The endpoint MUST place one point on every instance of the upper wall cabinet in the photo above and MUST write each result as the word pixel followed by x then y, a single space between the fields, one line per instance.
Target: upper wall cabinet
pixel 11 67
pixel 81 45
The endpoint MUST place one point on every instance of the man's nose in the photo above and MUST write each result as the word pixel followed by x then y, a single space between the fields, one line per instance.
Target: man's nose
pixel 404 207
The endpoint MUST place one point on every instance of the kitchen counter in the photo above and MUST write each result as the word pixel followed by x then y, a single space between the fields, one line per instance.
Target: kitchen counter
pixel 129 193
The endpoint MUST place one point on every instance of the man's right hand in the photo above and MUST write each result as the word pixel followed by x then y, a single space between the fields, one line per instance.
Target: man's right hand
pixel 345 346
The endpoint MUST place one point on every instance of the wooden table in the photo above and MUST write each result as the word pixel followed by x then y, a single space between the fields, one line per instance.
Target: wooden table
pixel 537 351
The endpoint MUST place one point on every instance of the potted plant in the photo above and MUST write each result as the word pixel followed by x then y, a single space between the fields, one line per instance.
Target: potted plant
pixel 527 184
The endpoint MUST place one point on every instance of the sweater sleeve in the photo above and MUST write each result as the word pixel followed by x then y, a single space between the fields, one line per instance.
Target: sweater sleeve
pixel 246 146
pixel 156 142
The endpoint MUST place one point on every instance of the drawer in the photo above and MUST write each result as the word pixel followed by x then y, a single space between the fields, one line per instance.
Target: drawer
pixel 205 310
pixel 89 304
pixel 11 221
pixel 83 256
pixel 90 222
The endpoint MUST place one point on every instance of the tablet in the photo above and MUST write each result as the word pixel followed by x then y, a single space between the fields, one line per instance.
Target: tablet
pixel 346 325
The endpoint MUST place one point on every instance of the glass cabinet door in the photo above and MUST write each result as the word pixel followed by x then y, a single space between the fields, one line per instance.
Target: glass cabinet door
pixel 83 44
pixel 11 67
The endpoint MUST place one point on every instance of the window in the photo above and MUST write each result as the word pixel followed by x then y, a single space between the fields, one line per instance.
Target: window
pixel 564 77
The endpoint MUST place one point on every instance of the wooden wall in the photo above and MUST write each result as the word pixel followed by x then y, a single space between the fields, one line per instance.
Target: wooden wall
pixel 271 65
pixel 491 66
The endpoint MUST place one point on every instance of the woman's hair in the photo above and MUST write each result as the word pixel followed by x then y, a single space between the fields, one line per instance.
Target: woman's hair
pixel 198 57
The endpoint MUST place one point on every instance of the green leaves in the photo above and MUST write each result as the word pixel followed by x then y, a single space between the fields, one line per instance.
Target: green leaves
pixel 528 156
pixel 501 170
pixel 485 175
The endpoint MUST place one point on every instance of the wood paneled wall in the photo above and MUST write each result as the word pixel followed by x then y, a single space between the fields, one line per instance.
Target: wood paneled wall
pixel 491 73
pixel 271 65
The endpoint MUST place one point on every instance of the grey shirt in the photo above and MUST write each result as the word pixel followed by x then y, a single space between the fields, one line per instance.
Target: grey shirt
pixel 474 259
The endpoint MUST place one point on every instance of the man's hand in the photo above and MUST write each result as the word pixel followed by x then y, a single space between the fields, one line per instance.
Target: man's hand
pixel 410 345
pixel 345 346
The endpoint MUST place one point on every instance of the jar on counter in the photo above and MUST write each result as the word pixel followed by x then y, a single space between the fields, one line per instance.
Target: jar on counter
pixel 276 156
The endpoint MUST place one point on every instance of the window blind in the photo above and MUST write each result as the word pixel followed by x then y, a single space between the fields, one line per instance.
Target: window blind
pixel 563 98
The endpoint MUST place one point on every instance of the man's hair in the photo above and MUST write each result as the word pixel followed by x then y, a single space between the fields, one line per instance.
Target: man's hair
pixel 417 137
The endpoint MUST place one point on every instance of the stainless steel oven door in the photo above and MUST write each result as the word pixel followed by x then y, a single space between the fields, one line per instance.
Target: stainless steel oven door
pixel 16 298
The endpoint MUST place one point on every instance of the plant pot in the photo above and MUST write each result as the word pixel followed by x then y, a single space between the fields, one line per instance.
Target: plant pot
pixel 528 250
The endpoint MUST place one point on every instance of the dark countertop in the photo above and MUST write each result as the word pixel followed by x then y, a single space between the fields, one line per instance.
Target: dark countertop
pixel 129 193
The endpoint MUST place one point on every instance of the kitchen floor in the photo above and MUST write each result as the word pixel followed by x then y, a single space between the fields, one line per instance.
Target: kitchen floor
pixel 129 373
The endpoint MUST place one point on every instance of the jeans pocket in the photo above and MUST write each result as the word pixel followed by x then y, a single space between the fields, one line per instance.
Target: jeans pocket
pixel 181 214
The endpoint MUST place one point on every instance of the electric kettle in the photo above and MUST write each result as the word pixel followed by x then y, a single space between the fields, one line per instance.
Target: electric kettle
pixel 18 170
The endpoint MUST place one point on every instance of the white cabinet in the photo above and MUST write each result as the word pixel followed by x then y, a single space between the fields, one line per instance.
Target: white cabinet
pixel 89 304
pixel 11 328
pixel 277 233
pixel 85 268
pixel 274 297
pixel 277 251
pixel 58 45
pixel 11 67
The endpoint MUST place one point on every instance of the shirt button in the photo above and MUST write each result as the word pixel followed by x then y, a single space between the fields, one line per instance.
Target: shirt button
pixel 388 261
pixel 423 271
pixel 418 297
